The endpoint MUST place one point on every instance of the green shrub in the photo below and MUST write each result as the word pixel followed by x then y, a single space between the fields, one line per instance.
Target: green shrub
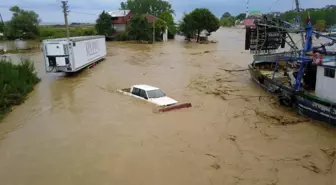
pixel 123 36
pixel 16 81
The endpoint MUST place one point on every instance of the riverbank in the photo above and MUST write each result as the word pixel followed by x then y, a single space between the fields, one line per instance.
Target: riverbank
pixel 16 81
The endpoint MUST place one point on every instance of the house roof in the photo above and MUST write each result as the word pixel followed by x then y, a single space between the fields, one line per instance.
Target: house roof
pixel 145 87
pixel 151 18
pixel 119 13
pixel 247 22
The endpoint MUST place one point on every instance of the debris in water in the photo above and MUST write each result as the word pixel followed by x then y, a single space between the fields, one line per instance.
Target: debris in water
pixel 330 152
pixel 198 53
pixel 311 167
pixel 232 137
pixel 233 70
pixel 211 155
pixel 307 156
pixel 280 119
pixel 216 166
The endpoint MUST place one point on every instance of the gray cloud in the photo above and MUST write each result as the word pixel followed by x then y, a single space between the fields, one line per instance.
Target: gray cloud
pixel 86 11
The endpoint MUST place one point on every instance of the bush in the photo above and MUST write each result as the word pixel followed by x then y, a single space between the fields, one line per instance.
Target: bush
pixel 16 81
pixel 123 36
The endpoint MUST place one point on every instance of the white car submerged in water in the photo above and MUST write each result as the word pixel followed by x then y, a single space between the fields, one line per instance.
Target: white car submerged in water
pixel 149 93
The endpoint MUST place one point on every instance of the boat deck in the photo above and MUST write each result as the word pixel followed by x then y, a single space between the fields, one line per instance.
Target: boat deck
pixel 278 76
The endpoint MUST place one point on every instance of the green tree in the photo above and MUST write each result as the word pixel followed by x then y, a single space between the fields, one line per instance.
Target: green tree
pixel 198 20
pixel 139 28
pixel 2 26
pixel 186 27
pixel 160 27
pixel 104 24
pixel 204 19
pixel 168 18
pixel 225 15
pixel 320 25
pixel 154 7
pixel 227 21
pixel 241 16
pixel 24 24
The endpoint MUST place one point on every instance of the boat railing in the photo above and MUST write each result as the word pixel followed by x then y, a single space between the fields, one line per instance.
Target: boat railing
pixel 277 56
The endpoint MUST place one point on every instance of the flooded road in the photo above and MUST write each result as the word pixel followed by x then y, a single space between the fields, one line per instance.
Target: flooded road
pixel 78 130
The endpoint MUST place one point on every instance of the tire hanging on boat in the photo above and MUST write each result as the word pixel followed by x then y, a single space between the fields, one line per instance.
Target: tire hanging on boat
pixel 317 58
pixel 285 101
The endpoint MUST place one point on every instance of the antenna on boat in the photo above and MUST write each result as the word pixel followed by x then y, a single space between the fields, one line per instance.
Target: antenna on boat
pixel 297 4
pixel 247 8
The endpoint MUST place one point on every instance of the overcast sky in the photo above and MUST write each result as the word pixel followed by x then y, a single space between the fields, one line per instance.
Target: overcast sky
pixel 87 10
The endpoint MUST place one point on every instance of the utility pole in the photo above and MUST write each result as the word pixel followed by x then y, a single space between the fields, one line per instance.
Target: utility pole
pixel 3 34
pixel 65 8
pixel 3 24
pixel 153 31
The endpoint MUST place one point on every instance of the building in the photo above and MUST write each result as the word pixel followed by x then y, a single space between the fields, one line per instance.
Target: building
pixel 249 21
pixel 275 14
pixel 120 19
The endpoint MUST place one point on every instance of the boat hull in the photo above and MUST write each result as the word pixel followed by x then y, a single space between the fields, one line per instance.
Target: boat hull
pixel 316 110
pixel 305 105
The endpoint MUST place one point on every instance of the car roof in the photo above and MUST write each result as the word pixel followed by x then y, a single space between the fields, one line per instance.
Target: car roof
pixel 145 87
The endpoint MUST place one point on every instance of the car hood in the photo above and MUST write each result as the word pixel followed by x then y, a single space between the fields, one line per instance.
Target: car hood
pixel 163 101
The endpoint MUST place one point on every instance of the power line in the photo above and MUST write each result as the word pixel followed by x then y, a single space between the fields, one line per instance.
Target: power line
pixel 273 4
pixel 30 8
pixel 84 13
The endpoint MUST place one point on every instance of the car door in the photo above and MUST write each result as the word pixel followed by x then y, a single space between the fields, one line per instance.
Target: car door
pixel 143 94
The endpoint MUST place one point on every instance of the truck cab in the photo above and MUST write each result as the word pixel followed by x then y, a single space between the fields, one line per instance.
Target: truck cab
pixel 152 94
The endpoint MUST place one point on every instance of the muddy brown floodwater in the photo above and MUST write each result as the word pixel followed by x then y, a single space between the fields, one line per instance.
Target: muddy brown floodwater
pixel 78 130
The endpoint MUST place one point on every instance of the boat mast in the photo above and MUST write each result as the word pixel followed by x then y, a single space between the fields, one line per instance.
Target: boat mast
pixel 247 8
pixel 297 4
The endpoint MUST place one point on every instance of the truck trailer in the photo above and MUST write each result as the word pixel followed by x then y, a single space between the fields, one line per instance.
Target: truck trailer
pixel 72 54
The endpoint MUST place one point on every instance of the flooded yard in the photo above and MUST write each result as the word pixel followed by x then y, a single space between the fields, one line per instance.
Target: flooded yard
pixel 79 130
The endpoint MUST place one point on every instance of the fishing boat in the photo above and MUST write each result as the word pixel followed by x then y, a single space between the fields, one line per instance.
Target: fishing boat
pixel 303 79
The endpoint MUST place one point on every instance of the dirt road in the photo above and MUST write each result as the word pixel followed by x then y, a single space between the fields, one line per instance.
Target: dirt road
pixel 78 130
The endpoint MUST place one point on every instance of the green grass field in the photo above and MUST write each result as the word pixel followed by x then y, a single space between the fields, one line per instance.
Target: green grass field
pixel 48 32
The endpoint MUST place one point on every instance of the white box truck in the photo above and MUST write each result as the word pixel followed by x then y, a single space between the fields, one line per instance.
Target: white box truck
pixel 72 54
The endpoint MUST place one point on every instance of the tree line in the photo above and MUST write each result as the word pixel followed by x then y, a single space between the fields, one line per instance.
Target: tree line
pixel 227 20
pixel 26 25
pixel 320 17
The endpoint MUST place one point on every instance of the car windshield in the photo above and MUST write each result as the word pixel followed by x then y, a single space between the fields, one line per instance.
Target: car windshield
pixel 157 93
